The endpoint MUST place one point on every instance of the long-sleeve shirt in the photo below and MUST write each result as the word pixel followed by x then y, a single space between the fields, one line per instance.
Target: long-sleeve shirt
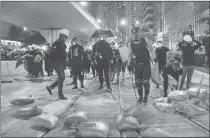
pixel 188 51
pixel 102 49
pixel 58 51
pixel 161 53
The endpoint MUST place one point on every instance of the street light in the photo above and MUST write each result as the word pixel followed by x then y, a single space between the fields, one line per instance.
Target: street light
pixel 137 22
pixel 99 20
pixel 123 22
pixel 83 3
pixel 24 28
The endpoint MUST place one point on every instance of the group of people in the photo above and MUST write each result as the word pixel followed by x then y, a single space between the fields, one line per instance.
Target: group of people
pixel 105 60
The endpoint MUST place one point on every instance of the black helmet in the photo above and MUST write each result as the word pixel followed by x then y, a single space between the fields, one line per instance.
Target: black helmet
pixel 135 30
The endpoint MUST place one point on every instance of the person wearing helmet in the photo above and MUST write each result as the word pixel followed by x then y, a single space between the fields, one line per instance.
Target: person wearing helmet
pixel 188 60
pixel 161 52
pixel 58 61
pixel 139 48
pixel 102 54
pixel 76 57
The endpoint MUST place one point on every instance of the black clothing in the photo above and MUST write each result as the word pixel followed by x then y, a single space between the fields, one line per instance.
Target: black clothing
pixel 102 52
pixel 48 66
pixel 140 51
pixel 161 56
pixel 168 70
pixel 206 43
pixel 188 53
pixel 76 56
pixel 58 51
pixel 116 56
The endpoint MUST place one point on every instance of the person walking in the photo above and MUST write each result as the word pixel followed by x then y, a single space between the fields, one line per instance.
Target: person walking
pixel 139 48
pixel 161 52
pixel 188 60
pixel 77 62
pixel 58 61
pixel 102 53
pixel 206 44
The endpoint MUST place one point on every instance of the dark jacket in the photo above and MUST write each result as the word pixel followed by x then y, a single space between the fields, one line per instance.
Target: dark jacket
pixel 116 56
pixel 103 49
pixel 161 54
pixel 168 69
pixel 76 55
pixel 58 51
pixel 188 53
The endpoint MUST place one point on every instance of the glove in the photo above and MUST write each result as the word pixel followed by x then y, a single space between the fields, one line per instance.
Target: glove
pixel 155 60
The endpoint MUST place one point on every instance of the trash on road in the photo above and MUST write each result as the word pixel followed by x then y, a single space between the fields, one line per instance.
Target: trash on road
pixel 76 118
pixel 155 132
pixel 23 100
pixel 46 121
pixel 92 129
pixel 29 111
pixel 127 123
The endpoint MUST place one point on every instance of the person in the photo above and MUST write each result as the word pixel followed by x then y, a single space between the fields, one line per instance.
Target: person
pixel 48 66
pixel 189 31
pixel 161 52
pixel 206 43
pixel 77 60
pixel 102 53
pixel 58 62
pixel 139 48
pixel 173 69
pixel 188 60
pixel 113 65
pixel 38 61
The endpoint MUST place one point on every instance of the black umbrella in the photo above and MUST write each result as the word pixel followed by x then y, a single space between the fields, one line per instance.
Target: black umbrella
pixel 107 33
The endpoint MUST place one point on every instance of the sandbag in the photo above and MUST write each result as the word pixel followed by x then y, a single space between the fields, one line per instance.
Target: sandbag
pixel 193 92
pixel 29 111
pixel 23 100
pixel 160 100
pixel 127 123
pixel 203 94
pixel 164 107
pixel 155 132
pixel 203 105
pixel 45 120
pixel 206 101
pixel 76 118
pixel 193 110
pixel 195 100
pixel 155 76
pixel 92 129
pixel 178 96
pixel 179 106
pixel 7 81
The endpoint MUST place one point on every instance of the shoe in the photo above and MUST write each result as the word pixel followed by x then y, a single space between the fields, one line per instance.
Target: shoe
pixel 62 98
pixel 145 100
pixel 49 90
pixel 139 100
pixel 82 86
pixel 75 87
pixel 72 83
pixel 101 87
pixel 109 88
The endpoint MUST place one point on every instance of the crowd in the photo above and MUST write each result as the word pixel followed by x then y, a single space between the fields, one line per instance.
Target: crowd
pixel 106 61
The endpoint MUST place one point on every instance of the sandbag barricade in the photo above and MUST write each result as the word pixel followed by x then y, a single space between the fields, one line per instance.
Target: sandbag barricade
pixel 76 118
pixel 29 111
pixel 193 110
pixel 164 107
pixel 92 129
pixel 23 100
pixel 45 121
pixel 178 96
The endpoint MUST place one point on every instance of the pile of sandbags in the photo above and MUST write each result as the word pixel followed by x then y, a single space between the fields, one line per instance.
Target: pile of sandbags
pixel 163 105
pixel 92 129
pixel 45 121
pixel 199 97
pixel 155 132
pixel 76 118
pixel 178 96
pixel 193 110
pixel 127 123
pixel 29 111
pixel 23 100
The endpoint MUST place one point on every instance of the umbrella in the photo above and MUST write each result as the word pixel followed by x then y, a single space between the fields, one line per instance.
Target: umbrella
pixel 107 33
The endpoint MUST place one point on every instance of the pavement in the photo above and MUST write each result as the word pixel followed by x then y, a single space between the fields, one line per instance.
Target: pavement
pixel 99 105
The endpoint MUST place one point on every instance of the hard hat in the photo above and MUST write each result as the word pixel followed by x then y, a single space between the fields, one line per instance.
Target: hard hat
pixel 65 32
pixel 187 38
pixel 135 30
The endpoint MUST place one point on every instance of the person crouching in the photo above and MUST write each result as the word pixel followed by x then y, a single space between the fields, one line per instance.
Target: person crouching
pixel 173 69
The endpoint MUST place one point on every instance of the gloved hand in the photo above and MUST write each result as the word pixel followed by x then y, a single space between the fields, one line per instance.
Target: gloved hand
pixel 155 60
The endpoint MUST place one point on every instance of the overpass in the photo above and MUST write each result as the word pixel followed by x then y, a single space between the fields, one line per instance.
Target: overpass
pixel 49 17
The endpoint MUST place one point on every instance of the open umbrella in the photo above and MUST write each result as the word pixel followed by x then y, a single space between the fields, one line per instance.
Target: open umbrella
pixel 107 33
